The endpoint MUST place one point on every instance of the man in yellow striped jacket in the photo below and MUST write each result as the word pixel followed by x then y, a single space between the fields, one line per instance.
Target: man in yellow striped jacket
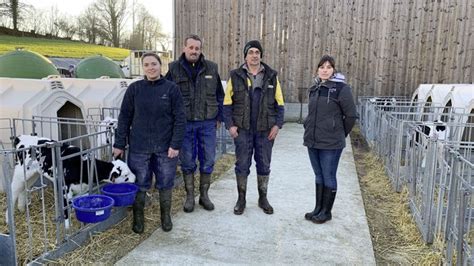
pixel 253 114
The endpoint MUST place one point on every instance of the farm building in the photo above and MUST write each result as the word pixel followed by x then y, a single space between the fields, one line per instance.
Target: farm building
pixel 383 48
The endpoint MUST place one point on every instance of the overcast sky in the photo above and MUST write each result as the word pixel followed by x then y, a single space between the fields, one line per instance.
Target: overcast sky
pixel 161 9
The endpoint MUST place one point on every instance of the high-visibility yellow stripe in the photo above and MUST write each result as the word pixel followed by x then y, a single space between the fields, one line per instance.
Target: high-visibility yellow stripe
pixel 229 92
pixel 279 94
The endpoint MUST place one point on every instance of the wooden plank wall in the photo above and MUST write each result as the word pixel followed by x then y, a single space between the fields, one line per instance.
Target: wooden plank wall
pixel 384 47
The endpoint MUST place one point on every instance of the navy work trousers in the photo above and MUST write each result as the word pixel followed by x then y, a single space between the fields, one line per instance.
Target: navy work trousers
pixel 250 143
pixel 143 165
pixel 200 141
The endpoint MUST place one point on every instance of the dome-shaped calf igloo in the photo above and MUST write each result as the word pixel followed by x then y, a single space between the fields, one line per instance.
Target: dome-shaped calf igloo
pixel 21 99
pixel 438 93
pixel 26 64
pixel 461 100
pixel 421 92
pixel 467 134
pixel 98 66
pixel 460 96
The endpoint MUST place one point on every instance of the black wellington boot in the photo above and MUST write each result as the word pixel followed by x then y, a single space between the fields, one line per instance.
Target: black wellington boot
pixel 329 195
pixel 138 214
pixel 319 201
pixel 242 189
pixel 165 209
pixel 189 187
pixel 263 203
pixel 204 200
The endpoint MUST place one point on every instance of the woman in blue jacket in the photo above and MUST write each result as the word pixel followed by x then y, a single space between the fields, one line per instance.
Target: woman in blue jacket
pixel 153 121
pixel 331 116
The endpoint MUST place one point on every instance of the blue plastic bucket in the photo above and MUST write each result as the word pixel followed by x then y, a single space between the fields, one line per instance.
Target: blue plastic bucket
pixel 123 193
pixel 92 208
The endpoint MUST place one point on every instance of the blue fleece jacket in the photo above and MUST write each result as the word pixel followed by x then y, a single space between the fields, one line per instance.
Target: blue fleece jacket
pixel 152 117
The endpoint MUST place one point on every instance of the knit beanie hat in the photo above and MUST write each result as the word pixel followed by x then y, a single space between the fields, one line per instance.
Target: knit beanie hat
pixel 253 44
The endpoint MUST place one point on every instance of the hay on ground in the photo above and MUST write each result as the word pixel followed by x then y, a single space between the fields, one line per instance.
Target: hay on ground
pixel 395 237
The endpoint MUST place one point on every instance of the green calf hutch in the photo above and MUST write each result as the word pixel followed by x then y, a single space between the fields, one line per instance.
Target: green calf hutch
pixel 98 66
pixel 26 64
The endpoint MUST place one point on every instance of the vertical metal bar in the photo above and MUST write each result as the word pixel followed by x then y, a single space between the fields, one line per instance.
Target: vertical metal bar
pixel 461 221
pixel 8 242
pixel 28 194
pixel 58 175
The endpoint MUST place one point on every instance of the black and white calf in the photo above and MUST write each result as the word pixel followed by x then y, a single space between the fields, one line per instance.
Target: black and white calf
pixel 35 158
pixel 436 130
pixel 103 139
pixel 386 104
pixel 116 171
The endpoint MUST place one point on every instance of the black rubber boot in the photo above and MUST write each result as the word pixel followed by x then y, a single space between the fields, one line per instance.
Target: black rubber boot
pixel 189 187
pixel 329 195
pixel 262 192
pixel 319 201
pixel 242 189
pixel 165 209
pixel 204 200
pixel 138 214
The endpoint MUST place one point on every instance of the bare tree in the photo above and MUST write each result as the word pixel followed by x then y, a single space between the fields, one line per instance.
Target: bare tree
pixel 51 20
pixel 36 21
pixel 147 32
pixel 141 16
pixel 165 41
pixel 66 27
pixel 112 18
pixel 88 25
pixel 13 9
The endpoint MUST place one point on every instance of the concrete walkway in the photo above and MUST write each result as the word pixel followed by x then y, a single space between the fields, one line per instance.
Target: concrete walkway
pixel 220 237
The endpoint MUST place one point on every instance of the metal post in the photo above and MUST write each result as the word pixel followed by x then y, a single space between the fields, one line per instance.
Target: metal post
pixel 8 242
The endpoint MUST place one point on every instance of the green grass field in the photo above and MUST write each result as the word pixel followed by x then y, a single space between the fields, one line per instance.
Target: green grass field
pixel 60 48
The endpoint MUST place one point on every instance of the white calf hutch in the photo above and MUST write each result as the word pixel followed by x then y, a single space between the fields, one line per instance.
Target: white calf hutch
pixel 428 147
pixel 59 109
pixel 421 92
pixel 25 98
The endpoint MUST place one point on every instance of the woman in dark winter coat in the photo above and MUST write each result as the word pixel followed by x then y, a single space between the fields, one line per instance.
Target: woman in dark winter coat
pixel 331 116
pixel 153 121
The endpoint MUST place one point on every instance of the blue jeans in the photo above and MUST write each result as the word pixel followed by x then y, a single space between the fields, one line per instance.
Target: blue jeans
pixel 324 163
pixel 200 141
pixel 144 164
pixel 245 144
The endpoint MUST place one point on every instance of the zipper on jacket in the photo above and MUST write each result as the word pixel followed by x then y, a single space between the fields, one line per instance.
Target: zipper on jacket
pixel 327 101
pixel 316 113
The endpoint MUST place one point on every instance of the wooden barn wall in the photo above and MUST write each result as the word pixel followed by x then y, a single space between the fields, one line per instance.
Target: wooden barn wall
pixel 384 47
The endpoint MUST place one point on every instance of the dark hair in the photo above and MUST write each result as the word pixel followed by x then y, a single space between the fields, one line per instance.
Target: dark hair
pixel 192 36
pixel 329 59
pixel 151 54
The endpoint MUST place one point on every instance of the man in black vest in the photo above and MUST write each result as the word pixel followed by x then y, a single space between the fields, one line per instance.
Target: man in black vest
pixel 253 114
pixel 201 87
